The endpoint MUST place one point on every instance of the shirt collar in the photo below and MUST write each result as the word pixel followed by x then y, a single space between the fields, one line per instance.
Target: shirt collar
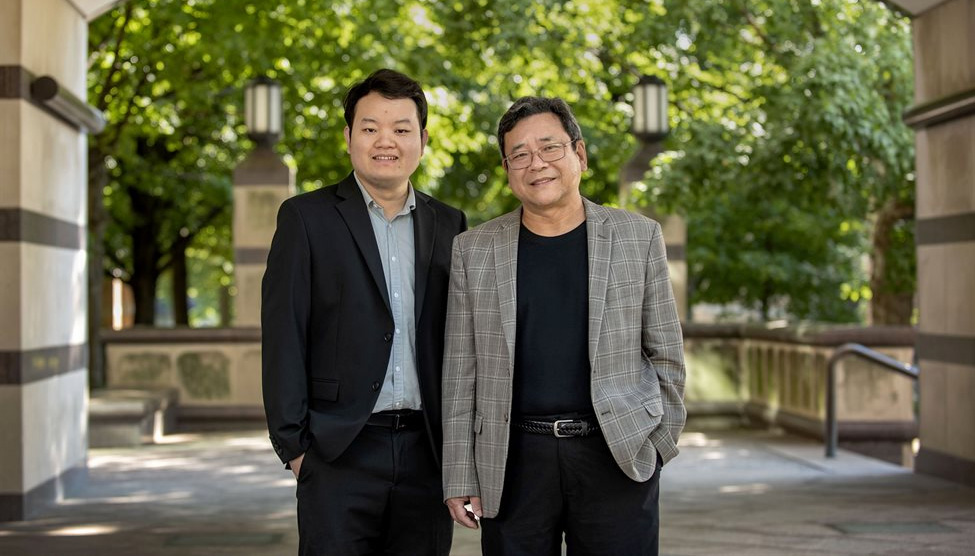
pixel 408 206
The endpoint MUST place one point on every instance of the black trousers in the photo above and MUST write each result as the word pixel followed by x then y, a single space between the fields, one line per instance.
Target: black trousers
pixel 383 496
pixel 571 486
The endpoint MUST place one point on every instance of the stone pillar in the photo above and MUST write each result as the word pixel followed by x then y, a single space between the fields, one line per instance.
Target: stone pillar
pixel 674 226
pixel 261 183
pixel 944 120
pixel 43 329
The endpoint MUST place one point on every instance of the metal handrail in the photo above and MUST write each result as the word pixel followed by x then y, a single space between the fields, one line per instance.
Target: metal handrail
pixel 832 430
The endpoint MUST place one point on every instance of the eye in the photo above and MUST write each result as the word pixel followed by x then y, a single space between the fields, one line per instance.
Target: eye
pixel 403 131
pixel 551 149
pixel 518 156
pixel 369 130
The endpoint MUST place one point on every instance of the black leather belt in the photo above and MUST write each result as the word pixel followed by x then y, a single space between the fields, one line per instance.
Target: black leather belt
pixel 400 419
pixel 560 428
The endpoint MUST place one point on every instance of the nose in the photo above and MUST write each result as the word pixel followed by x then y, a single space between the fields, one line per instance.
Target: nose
pixel 385 139
pixel 536 161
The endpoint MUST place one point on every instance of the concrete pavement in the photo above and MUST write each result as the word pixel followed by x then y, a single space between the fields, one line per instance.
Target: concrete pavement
pixel 738 492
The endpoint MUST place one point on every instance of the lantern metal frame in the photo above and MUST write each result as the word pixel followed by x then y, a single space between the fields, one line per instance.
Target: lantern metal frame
pixel 650 122
pixel 262 110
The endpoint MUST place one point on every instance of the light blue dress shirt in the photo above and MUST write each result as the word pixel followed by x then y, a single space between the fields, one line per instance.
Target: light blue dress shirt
pixel 401 388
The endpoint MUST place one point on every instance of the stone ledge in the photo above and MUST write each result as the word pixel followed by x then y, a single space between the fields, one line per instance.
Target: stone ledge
pixel 130 417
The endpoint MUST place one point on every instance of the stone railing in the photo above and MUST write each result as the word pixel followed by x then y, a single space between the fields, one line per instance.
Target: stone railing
pixel 775 376
pixel 216 371
pixel 778 376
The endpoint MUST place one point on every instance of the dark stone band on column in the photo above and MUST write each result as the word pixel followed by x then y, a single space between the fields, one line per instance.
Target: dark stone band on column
pixel 251 255
pixel 945 466
pixel 958 350
pixel 17 224
pixel 676 252
pixel 19 507
pixel 15 82
pixel 21 367
pixel 945 229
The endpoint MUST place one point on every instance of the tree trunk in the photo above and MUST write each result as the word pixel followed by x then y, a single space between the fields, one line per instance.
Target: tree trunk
pixel 97 222
pixel 145 256
pixel 892 303
pixel 181 309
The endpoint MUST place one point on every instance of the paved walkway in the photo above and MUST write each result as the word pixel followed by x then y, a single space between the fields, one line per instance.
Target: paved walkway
pixel 742 493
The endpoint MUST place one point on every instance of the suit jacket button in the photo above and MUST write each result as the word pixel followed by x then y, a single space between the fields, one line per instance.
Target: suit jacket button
pixel 376 386
pixel 388 337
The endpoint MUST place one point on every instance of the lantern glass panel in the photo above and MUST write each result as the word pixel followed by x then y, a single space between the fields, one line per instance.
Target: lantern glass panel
pixel 262 108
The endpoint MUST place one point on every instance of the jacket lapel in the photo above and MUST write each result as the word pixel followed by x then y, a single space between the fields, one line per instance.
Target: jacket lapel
pixel 353 210
pixel 600 245
pixel 424 236
pixel 506 272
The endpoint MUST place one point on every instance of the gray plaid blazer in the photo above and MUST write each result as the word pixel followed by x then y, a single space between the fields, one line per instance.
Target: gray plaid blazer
pixel 635 349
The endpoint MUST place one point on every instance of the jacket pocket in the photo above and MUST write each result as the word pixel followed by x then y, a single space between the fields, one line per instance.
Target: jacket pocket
pixel 324 389
pixel 654 406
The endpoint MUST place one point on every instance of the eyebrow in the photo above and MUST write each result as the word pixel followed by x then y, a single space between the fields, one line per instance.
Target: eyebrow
pixel 368 120
pixel 547 139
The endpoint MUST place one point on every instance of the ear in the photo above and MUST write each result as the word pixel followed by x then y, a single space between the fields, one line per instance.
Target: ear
pixel 424 137
pixel 348 139
pixel 581 153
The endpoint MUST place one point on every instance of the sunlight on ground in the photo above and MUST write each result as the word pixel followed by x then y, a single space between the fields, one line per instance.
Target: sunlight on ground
pixel 251 442
pixel 697 440
pixel 240 469
pixel 754 488
pixel 178 438
pixel 136 498
pixel 83 531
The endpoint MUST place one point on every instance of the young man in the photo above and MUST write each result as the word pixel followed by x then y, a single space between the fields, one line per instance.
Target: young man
pixel 563 371
pixel 352 320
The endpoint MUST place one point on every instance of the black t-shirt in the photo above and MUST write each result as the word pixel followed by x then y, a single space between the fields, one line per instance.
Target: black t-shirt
pixel 551 375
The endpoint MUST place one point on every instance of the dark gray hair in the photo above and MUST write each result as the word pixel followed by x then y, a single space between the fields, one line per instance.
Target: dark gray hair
pixel 530 106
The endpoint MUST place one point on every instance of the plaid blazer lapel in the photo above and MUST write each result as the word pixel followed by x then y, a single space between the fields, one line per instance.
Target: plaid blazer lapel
pixel 600 247
pixel 506 272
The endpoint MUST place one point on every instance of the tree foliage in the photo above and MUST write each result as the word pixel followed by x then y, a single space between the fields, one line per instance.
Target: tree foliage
pixel 789 146
pixel 785 114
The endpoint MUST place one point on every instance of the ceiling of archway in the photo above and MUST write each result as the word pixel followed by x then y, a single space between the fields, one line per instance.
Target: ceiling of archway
pixel 94 8
pixel 914 7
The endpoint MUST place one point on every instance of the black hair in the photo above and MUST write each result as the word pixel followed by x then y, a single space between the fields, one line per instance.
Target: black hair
pixel 390 84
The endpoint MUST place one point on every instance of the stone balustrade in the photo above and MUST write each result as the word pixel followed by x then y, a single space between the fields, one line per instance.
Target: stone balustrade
pixel 774 376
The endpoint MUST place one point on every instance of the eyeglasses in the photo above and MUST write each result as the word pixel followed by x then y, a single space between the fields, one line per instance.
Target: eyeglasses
pixel 549 153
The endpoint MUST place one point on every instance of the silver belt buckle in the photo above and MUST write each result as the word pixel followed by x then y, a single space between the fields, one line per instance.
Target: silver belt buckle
pixel 555 428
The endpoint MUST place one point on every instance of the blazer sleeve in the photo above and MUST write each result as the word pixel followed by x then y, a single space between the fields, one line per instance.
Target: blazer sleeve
pixel 285 310
pixel 459 373
pixel 662 344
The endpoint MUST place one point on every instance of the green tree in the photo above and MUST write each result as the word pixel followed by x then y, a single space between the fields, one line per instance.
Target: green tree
pixel 787 151
pixel 790 156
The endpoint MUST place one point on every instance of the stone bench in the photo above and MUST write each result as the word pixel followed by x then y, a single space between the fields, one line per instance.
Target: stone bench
pixel 130 417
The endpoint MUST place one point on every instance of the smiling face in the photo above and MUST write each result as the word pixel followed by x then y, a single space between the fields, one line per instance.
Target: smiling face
pixel 544 187
pixel 385 141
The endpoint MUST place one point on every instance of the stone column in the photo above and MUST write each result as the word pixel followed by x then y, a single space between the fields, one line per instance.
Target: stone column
pixel 261 183
pixel 674 226
pixel 944 120
pixel 43 330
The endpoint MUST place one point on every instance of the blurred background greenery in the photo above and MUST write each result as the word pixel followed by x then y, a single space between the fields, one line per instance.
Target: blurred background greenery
pixel 787 155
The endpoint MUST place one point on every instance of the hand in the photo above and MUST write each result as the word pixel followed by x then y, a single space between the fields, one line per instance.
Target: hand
pixel 460 514
pixel 296 465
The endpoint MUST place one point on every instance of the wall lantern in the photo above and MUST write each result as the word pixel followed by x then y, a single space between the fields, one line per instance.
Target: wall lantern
pixel 650 109
pixel 262 110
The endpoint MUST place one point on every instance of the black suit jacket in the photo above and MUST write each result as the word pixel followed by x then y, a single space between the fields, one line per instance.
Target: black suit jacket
pixel 326 324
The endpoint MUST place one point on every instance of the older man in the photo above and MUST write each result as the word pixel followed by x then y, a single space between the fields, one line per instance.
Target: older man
pixel 563 370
